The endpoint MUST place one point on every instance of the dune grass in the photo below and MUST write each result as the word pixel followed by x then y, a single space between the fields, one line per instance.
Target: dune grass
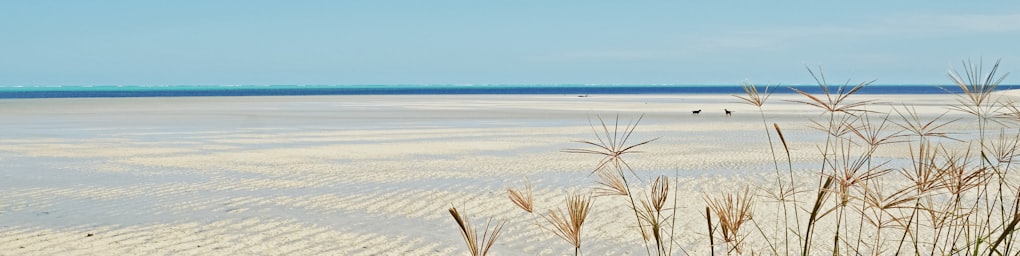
pixel 947 194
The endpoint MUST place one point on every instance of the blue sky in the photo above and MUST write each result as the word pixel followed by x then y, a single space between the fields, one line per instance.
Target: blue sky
pixel 498 42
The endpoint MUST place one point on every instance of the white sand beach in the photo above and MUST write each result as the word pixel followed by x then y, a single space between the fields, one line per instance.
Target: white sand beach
pixel 375 175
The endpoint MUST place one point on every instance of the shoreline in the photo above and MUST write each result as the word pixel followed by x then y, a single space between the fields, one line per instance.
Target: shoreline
pixel 360 175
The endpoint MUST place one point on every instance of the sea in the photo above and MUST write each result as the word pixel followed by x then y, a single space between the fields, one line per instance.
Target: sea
pixel 107 91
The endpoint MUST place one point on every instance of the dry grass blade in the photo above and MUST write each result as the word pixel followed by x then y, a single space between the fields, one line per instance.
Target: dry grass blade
pixel 940 213
pixel 816 212
pixel 523 200
pixel 958 176
pixel 786 194
pixel 912 123
pixel 754 97
pixel 1006 232
pixel 477 245
pixel 610 184
pixel 1004 149
pixel 711 229
pixel 611 144
pixel 568 225
pixel 925 174
pixel 659 193
pixel 1010 112
pixel 843 127
pixel 899 199
pixel 833 103
pixel 653 222
pixel 874 134
pixel 782 139
pixel 850 170
pixel 878 206
pixel 977 87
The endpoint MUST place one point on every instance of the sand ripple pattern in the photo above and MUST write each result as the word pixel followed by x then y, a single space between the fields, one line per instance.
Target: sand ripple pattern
pixel 346 175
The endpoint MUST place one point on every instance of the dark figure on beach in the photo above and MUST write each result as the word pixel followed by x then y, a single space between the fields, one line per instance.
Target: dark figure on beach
pixel 696 112
pixel 728 112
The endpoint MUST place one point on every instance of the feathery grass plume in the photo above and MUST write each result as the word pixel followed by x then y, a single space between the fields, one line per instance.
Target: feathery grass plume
pixel 568 225
pixel 523 200
pixel 611 144
pixel 977 98
pixel 733 210
pixel 477 245
pixel 755 97
pixel 833 103
pixel 660 193
pixel 653 215
pixel 610 184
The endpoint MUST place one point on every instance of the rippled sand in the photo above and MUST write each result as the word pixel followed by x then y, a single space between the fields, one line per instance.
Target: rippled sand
pixel 365 175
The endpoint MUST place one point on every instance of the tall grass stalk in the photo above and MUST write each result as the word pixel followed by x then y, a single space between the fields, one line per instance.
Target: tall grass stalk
pixel 757 98
pixel 832 104
pixel 840 113
pixel 978 99
pixel 611 145
pixel 872 135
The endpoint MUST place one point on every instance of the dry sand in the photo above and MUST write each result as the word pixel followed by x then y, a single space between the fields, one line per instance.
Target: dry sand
pixel 365 175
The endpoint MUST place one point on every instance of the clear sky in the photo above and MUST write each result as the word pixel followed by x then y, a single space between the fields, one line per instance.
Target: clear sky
pixel 209 42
